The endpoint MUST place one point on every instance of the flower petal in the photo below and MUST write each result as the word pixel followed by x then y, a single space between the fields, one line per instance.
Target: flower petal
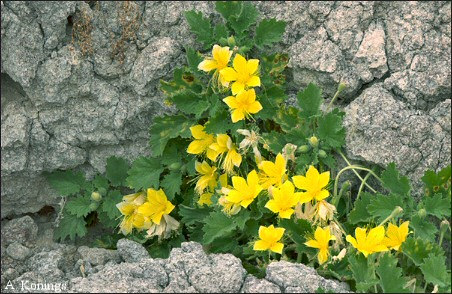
pixel 237 87
pixel 260 245
pixel 228 74
pixel 231 101
pixel 239 63
pixel 254 81
pixel 252 66
pixel 207 65
pixel 278 248
pixel 237 115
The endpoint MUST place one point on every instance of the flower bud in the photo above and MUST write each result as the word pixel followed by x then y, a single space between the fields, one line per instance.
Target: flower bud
pixel 314 141
pixel 174 166
pixel 341 87
pixel 303 148
pixel 223 41
pixel 422 213
pixel 93 206
pixel 231 41
pixel 96 197
pixel 322 153
pixel 444 226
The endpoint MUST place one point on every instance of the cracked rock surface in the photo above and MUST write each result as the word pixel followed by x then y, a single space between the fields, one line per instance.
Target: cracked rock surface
pixel 71 100
pixel 34 258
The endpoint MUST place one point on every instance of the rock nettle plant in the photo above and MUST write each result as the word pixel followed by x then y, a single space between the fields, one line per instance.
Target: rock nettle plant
pixel 240 171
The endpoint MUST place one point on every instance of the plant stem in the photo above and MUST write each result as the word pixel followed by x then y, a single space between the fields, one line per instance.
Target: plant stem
pixel 356 173
pixel 363 182
pixel 352 167
pixel 332 100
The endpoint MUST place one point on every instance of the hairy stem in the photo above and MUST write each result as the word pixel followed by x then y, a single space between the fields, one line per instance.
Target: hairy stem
pixel 356 173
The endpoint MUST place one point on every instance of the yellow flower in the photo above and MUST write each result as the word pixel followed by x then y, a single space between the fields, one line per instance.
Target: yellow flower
pixel 244 74
pixel 244 192
pixel 243 105
pixel 396 235
pixel 314 184
pixel 228 207
pixel 224 145
pixel 132 219
pixel 269 237
pixel 205 198
pixel 156 206
pixel 273 173
pixel 284 199
pixel 208 177
pixel 220 60
pixel 368 243
pixel 202 141
pixel 321 239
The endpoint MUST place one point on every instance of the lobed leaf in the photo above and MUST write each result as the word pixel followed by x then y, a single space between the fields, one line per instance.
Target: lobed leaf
pixel 435 271
pixel 381 206
pixel 79 206
pixel 217 225
pixel 269 31
pixel 310 100
pixel 109 204
pixel 393 181
pixel 66 182
pixel 145 173
pixel 116 170
pixel 70 226
pixel 391 280
pixel 201 27
pixel 171 184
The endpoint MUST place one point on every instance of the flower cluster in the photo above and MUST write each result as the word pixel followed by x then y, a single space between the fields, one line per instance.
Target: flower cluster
pixel 147 211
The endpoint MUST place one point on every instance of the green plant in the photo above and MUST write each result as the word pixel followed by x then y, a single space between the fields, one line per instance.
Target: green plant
pixel 241 171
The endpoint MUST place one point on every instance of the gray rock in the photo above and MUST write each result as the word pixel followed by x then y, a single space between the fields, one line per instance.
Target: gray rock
pixel 131 251
pixel 382 129
pixel 20 230
pixel 298 278
pixel 18 251
pixel 98 256
pixel 254 285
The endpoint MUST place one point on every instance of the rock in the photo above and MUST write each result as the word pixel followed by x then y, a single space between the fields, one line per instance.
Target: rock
pixel 98 256
pixel 17 251
pixel 254 285
pixel 131 251
pixel 298 278
pixel 20 230
pixel 382 129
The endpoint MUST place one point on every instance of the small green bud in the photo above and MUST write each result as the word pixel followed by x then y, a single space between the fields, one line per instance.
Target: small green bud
pixel 346 185
pixel 303 148
pixel 174 166
pixel 341 87
pixel 223 41
pixel 93 206
pixel 244 49
pixel 96 196
pixel 444 226
pixel 231 41
pixel 422 212
pixel 322 153
pixel 314 141
pixel 102 191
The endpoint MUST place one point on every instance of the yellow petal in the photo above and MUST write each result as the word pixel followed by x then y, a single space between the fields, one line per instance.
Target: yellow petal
pixel 322 195
pixel 255 107
pixel 252 65
pixel 324 178
pixel 231 101
pixel 312 243
pixel 300 182
pixel 198 132
pixel 196 147
pixel 278 247
pixel 260 245
pixel 169 207
pixel 352 241
pixel 361 235
pixel 146 209
pixel 271 204
pixel 125 208
pixel 239 63
pixel 234 197
pixel 286 213
pixel 207 65
pixel 237 87
pixel 228 74
pixel 254 81
pixel 237 115
pixel 323 256
pixel 305 197
pixel 252 179
pixel 312 174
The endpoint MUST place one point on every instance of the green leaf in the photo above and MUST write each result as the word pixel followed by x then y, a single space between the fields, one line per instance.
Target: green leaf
pixel 217 225
pixel 331 131
pixel 228 8
pixel 310 100
pixel 190 215
pixel 269 31
pixel 193 59
pixel 171 184
pixel 359 212
pixel 437 205
pixel 223 245
pixel 200 26
pixel 220 31
pixel 100 182
pixel 394 182
pixel 190 103
pixel 66 182
pixel 271 101
pixel 116 170
pixel 417 249
pixel 245 19
pixel 381 206
pixel 275 141
pixel 297 230
pixel 363 270
pixel 241 218
pixel 391 280
pixel 219 124
pixel 79 206
pixel 435 271
pixel 70 226
pixel 145 173
pixel 423 228
pixel 167 127
pixel 109 204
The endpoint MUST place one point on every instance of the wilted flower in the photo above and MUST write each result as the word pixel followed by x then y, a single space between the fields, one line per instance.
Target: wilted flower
pixel 288 152
pixel 164 228
pixel 251 140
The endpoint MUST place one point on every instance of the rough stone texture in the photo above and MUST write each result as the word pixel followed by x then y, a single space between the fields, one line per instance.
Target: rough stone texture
pixel 131 251
pixel 19 230
pixel 62 109
pixel 383 129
